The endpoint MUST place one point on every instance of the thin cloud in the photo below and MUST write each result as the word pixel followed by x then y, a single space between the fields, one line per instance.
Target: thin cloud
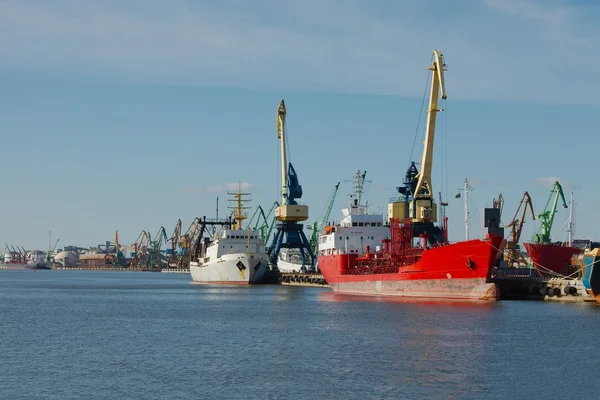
pixel 533 10
pixel 321 45
pixel 548 182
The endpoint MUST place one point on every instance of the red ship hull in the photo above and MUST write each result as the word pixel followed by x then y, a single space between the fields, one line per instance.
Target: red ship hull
pixel 551 256
pixel 454 271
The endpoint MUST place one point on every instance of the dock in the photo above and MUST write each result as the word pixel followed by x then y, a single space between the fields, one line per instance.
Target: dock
pixel 176 270
pixel 302 279
pixel 521 284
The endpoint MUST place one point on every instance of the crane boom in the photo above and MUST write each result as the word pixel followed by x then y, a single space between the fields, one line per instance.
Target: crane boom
pixel 423 188
pixel 281 113
pixel 330 204
pixel 513 254
pixel 289 210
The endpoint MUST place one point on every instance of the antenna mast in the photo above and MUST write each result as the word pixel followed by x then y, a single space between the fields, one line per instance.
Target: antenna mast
pixel 238 200
pixel 466 189
pixel 571 223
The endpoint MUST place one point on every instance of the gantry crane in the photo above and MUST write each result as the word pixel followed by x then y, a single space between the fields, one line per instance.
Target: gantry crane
pixel 417 191
pixel 513 251
pixel 547 216
pixel 289 232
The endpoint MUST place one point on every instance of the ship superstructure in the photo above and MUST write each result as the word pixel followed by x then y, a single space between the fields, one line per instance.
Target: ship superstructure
pixel 357 230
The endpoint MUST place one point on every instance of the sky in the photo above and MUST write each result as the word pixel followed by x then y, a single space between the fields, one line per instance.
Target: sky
pixel 131 114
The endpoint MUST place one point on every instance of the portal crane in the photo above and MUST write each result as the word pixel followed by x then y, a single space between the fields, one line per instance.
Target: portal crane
pixel 547 217
pixel 290 233
pixel 155 259
pixel 513 251
pixel 174 239
pixel 264 223
pixel 186 241
pixel 140 247
pixel 417 191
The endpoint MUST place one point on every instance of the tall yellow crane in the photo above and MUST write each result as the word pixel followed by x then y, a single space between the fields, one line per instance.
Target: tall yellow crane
pixel 513 251
pixel 422 209
pixel 289 233
pixel 289 210
pixel 418 203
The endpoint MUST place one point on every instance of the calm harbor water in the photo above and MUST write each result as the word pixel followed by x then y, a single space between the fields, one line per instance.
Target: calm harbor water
pixel 136 335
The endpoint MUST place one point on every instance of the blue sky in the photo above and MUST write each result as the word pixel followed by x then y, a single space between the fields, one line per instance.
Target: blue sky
pixel 131 114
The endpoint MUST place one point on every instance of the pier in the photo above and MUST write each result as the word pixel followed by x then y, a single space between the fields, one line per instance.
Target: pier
pixel 302 279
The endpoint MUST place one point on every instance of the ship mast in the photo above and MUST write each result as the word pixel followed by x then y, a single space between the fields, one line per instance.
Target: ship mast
pixel 238 214
pixel 466 189
pixel 571 223
pixel 359 188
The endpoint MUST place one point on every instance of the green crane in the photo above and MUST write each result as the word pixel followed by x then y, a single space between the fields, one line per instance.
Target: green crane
pixel 156 257
pixel 547 217
pixel 317 227
pixel 260 221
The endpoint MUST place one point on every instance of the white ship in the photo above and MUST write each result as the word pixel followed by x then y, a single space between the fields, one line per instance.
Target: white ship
pixel 234 255
pixel 290 260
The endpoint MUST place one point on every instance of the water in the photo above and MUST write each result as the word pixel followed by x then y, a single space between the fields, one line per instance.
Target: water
pixel 135 335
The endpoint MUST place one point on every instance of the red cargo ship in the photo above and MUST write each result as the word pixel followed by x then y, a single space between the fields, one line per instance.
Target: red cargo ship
pixel 551 259
pixel 433 268
pixel 452 271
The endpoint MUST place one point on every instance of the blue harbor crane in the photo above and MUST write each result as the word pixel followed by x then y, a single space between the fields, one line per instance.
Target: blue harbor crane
pixel 289 231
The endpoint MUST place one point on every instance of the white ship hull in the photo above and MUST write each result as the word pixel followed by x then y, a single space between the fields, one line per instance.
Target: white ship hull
pixel 239 268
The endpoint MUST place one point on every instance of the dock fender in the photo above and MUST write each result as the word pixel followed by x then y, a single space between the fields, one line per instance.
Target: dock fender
pixel 573 290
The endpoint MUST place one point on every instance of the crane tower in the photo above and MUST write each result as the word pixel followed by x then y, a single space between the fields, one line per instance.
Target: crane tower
pixel 417 193
pixel 289 231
